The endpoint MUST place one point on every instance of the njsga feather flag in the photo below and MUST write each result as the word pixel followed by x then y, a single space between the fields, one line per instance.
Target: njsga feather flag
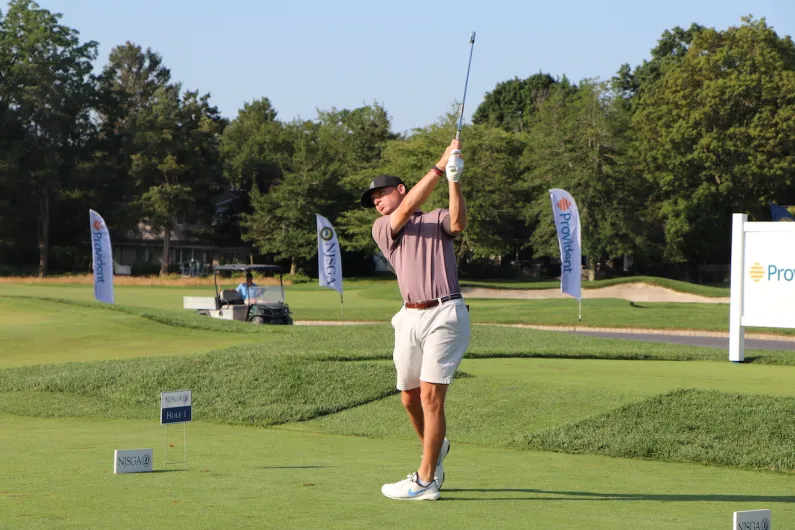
pixel 567 222
pixel 102 258
pixel 329 261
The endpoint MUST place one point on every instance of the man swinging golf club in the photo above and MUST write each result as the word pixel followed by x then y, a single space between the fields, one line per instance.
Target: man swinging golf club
pixel 432 328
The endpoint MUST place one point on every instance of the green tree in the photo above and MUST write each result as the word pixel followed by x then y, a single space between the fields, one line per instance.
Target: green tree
pixel 282 221
pixel 313 158
pixel 714 136
pixel 671 49
pixel 128 84
pixel 510 106
pixel 252 147
pixel 47 86
pixel 176 164
pixel 493 165
pixel 577 144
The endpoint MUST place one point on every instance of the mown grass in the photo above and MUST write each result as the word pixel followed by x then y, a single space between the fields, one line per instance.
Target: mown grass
pixel 57 473
pixel 84 330
pixel 335 385
pixel 379 303
pixel 686 425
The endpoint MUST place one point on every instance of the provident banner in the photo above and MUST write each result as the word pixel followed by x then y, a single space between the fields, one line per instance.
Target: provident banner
pixel 567 222
pixel 102 258
pixel 329 262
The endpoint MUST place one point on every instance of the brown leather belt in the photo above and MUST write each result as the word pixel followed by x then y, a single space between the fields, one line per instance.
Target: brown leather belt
pixel 427 304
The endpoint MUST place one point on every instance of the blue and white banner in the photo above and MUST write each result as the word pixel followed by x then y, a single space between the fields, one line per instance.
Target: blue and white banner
pixel 329 262
pixel 102 258
pixel 567 222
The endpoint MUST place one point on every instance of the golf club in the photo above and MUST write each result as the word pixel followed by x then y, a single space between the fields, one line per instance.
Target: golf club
pixel 463 100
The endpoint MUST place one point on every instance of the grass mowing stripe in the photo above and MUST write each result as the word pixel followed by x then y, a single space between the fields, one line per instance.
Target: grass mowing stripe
pixel 686 425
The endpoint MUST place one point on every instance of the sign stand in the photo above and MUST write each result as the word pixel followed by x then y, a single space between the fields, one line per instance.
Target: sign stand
pixel 762 279
pixel 184 462
pixel 176 407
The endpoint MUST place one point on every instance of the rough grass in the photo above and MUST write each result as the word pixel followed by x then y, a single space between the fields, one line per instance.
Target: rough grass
pixel 686 425
pixel 236 387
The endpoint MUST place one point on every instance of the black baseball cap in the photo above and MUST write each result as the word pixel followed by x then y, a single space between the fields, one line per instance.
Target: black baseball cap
pixel 381 181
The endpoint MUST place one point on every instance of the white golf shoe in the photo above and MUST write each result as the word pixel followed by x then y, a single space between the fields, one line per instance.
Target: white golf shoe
pixel 410 489
pixel 438 475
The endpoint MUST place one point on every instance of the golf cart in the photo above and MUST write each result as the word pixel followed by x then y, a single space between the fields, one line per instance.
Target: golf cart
pixel 265 303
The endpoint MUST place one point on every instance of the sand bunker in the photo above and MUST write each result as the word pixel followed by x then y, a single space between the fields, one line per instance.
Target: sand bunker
pixel 635 292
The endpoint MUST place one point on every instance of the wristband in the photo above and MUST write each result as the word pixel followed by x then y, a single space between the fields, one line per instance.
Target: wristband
pixel 437 171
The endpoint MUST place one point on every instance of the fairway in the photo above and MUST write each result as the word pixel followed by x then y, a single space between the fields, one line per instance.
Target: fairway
pixel 297 427
pixel 378 302
pixel 37 331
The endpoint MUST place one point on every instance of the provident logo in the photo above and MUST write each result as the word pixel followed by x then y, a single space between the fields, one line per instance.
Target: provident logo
pixel 757 272
pixel 98 225
pixel 771 273
pixel 564 204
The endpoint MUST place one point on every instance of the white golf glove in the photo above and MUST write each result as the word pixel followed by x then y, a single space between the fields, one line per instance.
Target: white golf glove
pixel 455 166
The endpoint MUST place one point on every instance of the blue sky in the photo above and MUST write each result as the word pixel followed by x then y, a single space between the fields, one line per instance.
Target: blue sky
pixel 411 56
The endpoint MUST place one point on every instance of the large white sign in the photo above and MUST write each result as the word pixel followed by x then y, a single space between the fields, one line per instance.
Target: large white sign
pixel 762 279
pixel 752 520
pixel 132 461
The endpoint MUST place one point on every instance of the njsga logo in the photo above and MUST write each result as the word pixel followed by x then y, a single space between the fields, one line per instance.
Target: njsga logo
pixel 326 234
pixel 764 524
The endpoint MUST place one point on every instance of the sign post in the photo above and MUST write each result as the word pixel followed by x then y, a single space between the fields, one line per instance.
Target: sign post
pixel 176 407
pixel 762 279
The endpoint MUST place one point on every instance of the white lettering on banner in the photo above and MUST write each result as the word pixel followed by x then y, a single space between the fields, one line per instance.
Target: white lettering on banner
pixel 102 258
pixel 567 223
pixel 328 259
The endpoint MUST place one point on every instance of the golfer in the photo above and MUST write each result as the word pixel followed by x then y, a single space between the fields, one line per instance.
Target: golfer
pixel 432 328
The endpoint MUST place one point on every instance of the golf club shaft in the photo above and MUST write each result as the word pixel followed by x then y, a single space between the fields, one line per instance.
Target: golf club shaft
pixel 466 83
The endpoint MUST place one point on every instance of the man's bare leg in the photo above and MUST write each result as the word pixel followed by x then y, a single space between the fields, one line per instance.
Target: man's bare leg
pixel 435 427
pixel 412 402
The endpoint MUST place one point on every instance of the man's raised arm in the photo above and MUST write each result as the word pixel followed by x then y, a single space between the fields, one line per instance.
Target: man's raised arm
pixel 417 195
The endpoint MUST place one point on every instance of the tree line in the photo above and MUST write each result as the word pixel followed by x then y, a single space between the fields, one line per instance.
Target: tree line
pixel 657 157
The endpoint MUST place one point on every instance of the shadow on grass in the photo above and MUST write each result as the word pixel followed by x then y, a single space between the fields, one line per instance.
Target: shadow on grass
pixel 294 467
pixel 594 496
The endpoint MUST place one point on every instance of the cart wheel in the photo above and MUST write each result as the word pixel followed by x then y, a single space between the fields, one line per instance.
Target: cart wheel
pixel 257 320
pixel 203 313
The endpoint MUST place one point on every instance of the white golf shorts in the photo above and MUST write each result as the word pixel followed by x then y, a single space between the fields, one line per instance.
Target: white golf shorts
pixel 430 343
